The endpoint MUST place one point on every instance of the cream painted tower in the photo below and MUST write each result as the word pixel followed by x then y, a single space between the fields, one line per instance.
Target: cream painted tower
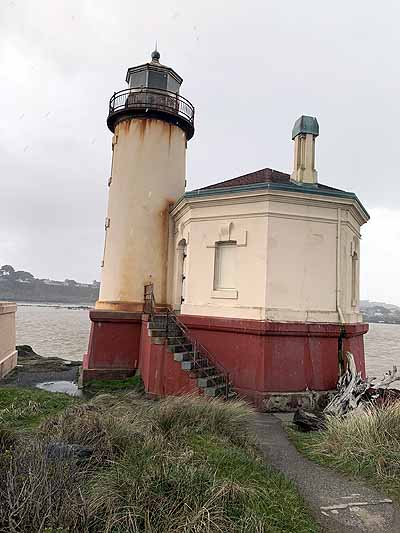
pixel 151 124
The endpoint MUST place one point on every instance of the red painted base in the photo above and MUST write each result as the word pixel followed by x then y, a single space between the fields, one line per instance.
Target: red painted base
pixel 114 343
pixel 262 357
pixel 280 357
pixel 162 376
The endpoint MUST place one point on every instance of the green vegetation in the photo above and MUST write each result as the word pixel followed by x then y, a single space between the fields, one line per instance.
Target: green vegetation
pixel 363 444
pixel 133 383
pixel 22 408
pixel 180 465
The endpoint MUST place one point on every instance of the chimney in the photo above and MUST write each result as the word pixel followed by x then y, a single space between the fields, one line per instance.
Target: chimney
pixel 304 132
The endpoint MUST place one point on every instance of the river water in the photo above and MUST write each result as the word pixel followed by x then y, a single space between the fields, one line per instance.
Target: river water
pixel 63 331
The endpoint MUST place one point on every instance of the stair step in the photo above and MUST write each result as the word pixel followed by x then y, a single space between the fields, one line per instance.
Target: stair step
pixel 191 365
pixel 157 332
pixel 210 381
pixel 183 356
pixel 157 325
pixel 217 390
pixel 179 339
pixel 176 348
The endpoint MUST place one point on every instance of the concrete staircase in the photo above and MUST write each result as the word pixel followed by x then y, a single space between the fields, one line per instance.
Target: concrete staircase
pixel 193 357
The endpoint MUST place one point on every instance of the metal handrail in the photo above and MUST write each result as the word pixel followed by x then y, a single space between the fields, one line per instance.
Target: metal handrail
pixel 200 352
pixel 155 99
pixel 149 300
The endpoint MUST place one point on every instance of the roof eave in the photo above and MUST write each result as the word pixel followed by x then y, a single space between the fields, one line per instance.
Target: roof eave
pixel 305 189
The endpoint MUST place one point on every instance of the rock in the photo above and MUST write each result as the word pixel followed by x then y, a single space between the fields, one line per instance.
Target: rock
pixel 33 362
pixel 26 351
pixel 308 421
pixel 62 450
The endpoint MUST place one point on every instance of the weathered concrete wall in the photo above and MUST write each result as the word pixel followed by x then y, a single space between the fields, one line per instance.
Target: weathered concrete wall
pixel 148 173
pixel 293 262
pixel 264 357
pixel 8 353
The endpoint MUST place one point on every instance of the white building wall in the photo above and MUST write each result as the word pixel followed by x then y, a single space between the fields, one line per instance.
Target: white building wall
pixel 287 266
pixel 203 227
pixel 8 353
pixel 301 258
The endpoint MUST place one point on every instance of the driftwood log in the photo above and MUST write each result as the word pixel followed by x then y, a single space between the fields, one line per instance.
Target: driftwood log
pixel 352 392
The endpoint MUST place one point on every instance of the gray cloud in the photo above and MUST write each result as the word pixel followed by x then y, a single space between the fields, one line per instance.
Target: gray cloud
pixel 250 68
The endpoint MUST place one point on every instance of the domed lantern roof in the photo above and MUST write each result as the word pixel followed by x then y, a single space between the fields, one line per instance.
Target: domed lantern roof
pixel 154 75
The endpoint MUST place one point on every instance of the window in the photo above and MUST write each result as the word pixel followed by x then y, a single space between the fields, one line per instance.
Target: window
pixel 157 80
pixel 138 79
pixel 354 279
pixel 225 265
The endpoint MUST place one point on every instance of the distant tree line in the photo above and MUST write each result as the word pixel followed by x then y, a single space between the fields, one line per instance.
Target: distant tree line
pixel 20 285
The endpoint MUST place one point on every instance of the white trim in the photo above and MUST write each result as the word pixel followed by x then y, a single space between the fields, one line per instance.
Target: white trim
pixel 231 294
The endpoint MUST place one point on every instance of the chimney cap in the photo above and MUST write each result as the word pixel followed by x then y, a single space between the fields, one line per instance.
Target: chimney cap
pixel 305 124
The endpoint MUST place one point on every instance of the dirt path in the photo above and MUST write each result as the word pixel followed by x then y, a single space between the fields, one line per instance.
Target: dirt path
pixel 339 505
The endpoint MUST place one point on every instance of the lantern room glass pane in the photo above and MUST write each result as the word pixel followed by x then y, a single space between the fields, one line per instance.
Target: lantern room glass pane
pixel 157 80
pixel 173 85
pixel 138 79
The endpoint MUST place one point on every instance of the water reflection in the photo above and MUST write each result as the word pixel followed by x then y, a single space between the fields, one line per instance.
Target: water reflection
pixel 67 387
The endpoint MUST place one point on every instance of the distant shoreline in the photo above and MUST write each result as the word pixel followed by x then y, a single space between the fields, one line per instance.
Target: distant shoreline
pixel 382 322
pixel 69 305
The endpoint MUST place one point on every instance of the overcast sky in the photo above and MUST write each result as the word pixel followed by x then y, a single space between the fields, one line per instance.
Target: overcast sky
pixel 250 68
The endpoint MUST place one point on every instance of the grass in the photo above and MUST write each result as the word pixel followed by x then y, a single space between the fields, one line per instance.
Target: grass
pixel 365 445
pixel 133 383
pixel 22 408
pixel 180 465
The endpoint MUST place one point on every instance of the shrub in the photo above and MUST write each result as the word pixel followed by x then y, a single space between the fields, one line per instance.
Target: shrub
pixel 181 465
pixel 180 415
pixel 364 443
pixel 38 493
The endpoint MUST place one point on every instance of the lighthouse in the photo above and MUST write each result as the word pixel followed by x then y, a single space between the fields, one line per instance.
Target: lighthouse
pixel 255 278
pixel 151 124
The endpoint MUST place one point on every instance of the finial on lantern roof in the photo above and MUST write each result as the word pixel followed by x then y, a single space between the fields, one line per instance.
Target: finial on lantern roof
pixel 155 56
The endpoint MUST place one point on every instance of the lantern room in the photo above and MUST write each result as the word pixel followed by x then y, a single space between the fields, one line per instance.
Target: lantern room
pixel 154 75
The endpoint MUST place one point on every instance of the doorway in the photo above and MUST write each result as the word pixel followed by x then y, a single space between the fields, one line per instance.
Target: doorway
pixel 181 274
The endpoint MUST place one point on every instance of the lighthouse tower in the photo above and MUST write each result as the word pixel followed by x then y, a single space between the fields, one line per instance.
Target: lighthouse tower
pixel 151 124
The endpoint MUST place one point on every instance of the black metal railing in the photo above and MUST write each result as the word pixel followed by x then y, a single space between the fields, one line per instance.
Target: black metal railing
pixel 203 361
pixel 152 99
pixel 149 300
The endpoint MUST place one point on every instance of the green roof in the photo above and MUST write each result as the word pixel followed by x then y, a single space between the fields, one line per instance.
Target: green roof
pixel 311 189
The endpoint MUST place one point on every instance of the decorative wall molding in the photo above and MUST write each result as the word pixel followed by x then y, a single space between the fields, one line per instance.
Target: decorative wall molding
pixel 228 232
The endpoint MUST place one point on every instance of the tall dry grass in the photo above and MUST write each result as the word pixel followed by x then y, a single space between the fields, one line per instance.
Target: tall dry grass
pixel 181 465
pixel 365 443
